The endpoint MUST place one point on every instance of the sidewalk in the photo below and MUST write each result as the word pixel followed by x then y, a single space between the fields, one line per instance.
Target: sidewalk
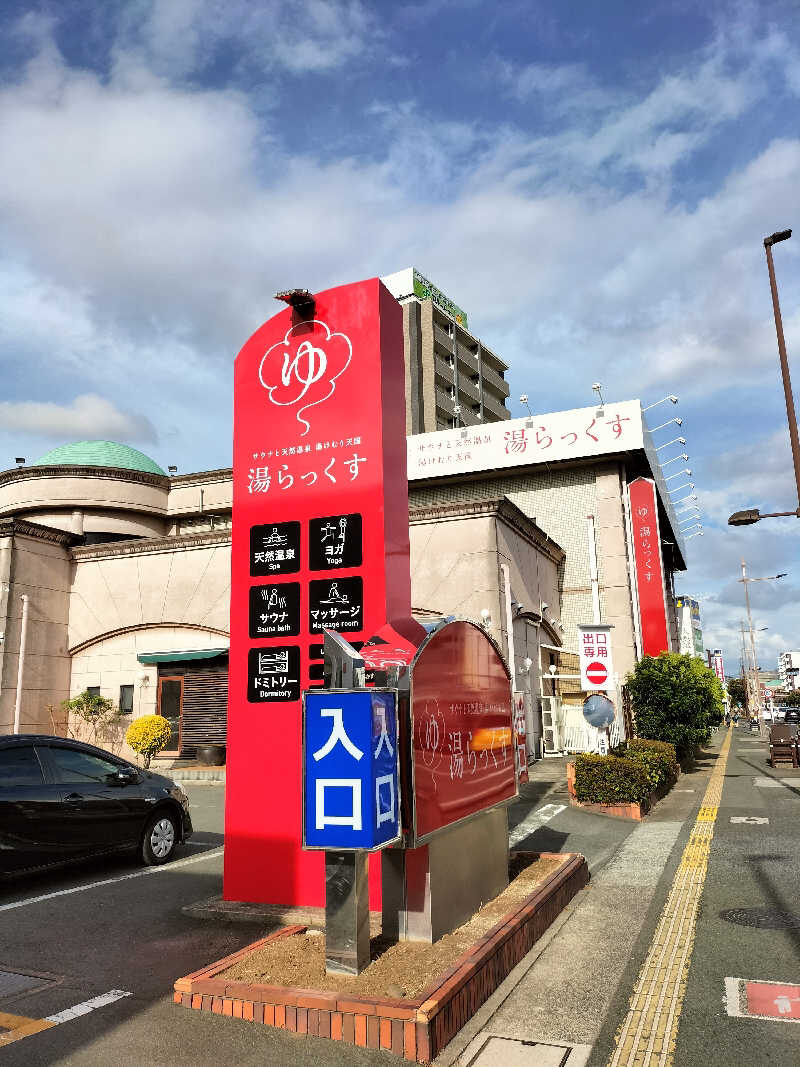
pixel 550 1009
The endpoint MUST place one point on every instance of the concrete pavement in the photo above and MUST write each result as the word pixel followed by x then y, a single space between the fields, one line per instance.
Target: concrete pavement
pixel 108 926
pixel 565 1003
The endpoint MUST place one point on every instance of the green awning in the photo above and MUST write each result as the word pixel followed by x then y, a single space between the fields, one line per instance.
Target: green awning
pixel 181 657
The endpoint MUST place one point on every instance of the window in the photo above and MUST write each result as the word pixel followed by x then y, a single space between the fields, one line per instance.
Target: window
pixel 72 765
pixel 126 699
pixel 93 690
pixel 19 766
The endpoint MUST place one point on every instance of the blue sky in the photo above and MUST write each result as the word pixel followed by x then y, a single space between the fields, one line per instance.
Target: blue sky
pixel 591 183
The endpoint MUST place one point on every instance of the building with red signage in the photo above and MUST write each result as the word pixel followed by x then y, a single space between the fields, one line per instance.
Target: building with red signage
pixel 127 570
pixel 591 480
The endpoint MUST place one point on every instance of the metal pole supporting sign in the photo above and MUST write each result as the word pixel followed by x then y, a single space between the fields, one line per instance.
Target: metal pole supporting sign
pixel 351 794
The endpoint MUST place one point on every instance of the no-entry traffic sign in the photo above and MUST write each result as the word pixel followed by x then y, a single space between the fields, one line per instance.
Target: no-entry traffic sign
pixel 597 673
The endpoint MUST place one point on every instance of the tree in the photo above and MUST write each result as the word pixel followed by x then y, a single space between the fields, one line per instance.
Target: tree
pixel 737 690
pixel 789 700
pixel 675 698
pixel 148 735
pixel 97 714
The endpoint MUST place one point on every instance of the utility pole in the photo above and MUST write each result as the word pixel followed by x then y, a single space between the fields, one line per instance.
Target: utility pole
pixel 755 707
pixel 784 235
pixel 745 666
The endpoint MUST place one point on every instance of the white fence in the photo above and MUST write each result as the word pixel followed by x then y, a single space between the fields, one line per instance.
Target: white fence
pixel 565 729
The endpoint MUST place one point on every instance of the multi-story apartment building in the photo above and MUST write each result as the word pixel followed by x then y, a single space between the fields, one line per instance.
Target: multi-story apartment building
pixel 789 669
pixel 452 378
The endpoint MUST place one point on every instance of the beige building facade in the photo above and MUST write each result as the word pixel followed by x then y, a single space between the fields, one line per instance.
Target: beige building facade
pixel 115 577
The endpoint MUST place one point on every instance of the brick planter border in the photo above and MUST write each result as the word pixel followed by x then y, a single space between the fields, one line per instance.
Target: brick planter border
pixel 417 1029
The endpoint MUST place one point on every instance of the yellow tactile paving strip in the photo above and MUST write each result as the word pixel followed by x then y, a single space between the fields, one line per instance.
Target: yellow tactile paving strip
pixel 15 1027
pixel 647 1035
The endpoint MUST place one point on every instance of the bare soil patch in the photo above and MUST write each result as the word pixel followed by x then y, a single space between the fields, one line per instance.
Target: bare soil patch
pixel 401 969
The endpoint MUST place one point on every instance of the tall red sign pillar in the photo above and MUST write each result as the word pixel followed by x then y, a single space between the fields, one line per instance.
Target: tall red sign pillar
pixel 650 584
pixel 320 540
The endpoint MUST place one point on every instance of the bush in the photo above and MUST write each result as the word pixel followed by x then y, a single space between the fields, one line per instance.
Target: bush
pixel 675 698
pixel 657 757
pixel 646 744
pixel 610 780
pixel 96 713
pixel 148 735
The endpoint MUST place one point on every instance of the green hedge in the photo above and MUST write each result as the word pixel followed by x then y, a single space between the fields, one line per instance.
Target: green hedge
pixel 657 757
pixel 611 779
pixel 644 743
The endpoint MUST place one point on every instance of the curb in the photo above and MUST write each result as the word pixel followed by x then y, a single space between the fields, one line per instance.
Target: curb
pixel 417 1029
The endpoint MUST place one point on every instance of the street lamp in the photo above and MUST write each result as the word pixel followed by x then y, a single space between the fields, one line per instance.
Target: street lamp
pixel 686 499
pixel 683 455
pixel 524 400
pixel 746 582
pixel 677 489
pixel 669 422
pixel 748 517
pixel 697 533
pixel 675 440
pixel 672 399
pixel 684 471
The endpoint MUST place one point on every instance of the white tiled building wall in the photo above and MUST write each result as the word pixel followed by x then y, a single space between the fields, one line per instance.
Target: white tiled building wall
pixel 559 502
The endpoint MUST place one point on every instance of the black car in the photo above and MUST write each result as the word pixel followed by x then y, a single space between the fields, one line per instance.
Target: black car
pixel 63 800
pixel 792 715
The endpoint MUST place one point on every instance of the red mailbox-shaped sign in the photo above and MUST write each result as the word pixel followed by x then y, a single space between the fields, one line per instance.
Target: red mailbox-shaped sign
pixel 461 742
pixel 320 540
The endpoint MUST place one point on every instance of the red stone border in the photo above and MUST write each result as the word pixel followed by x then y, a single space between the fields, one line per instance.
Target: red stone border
pixel 417 1029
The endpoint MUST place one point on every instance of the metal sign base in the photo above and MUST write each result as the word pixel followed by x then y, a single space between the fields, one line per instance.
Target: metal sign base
pixel 431 890
pixel 346 912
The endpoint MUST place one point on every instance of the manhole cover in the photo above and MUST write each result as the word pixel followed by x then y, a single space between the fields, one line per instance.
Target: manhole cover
pixel 12 982
pixel 762 918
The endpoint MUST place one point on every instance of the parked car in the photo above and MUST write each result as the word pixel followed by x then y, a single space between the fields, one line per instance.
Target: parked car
pixel 792 715
pixel 63 800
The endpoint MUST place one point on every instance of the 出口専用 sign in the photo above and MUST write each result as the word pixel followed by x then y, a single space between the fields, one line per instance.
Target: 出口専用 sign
pixel 596 662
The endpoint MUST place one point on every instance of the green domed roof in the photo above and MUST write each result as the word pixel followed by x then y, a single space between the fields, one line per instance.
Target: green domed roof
pixel 99 454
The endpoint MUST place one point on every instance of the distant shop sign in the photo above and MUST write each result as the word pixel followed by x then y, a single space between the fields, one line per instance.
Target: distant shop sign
pixel 426 290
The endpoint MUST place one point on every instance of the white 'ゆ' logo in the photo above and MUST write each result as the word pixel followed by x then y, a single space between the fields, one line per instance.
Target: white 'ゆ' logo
pixel 303 367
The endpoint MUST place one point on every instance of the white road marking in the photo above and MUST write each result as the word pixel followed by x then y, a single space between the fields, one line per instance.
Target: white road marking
pixel 88 1005
pixel 768 783
pixel 737 1006
pixel 752 820
pixel 683 790
pixel 733 988
pixel 536 818
pixel 110 881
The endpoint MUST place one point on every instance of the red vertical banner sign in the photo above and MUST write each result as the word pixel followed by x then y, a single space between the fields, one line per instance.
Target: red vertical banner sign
pixel 649 567
pixel 320 539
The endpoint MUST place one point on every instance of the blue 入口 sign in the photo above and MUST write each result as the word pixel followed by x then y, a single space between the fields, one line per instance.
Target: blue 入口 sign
pixel 351 782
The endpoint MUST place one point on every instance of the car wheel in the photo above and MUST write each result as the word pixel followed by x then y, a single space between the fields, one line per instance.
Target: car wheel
pixel 160 838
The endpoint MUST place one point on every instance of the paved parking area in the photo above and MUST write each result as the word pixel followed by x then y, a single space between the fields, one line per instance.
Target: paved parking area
pixel 89 955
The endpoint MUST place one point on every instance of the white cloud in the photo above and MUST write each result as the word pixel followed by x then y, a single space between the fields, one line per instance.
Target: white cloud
pixel 88 417
pixel 182 37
